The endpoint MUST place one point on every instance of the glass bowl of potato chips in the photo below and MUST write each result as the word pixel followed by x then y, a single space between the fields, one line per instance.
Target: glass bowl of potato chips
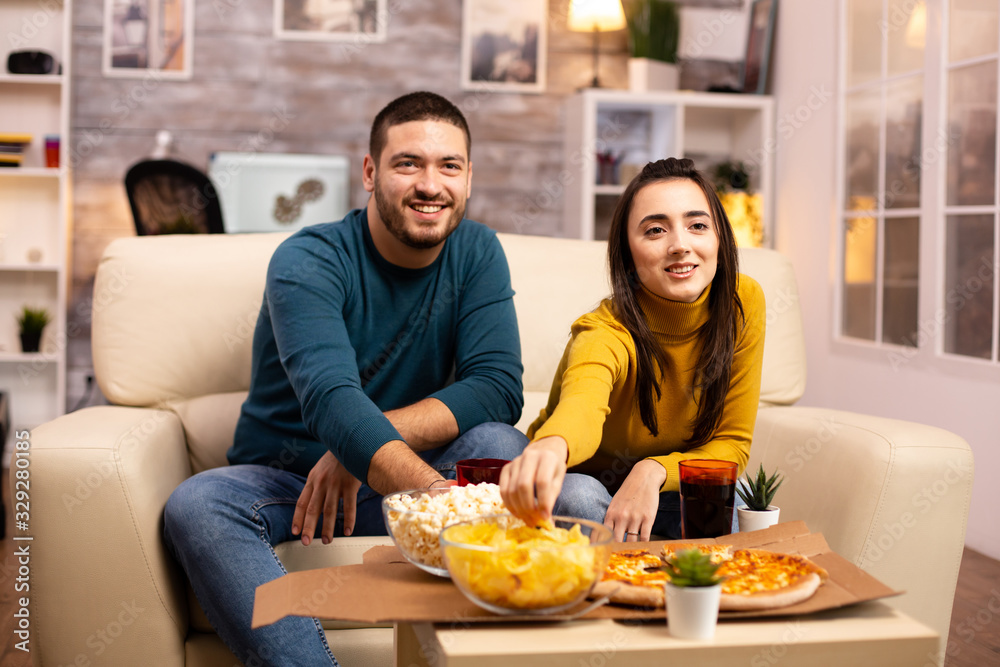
pixel 508 567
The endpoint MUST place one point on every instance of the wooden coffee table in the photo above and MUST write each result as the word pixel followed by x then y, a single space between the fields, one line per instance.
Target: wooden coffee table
pixel 871 633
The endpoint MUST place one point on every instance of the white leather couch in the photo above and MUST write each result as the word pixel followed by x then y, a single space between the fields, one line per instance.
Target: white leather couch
pixel 172 325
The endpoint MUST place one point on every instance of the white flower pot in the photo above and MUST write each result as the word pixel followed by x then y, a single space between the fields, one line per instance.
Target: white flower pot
pixel 693 611
pixel 754 520
pixel 646 75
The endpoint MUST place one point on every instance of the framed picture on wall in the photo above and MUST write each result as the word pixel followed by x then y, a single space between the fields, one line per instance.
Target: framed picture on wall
pixel 148 36
pixel 758 57
pixel 503 45
pixel 362 21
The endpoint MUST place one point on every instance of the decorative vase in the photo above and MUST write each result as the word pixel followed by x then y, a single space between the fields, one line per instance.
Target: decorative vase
pixel 757 520
pixel 693 611
pixel 31 341
pixel 645 75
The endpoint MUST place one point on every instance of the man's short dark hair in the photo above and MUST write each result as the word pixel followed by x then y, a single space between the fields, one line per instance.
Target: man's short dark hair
pixel 415 106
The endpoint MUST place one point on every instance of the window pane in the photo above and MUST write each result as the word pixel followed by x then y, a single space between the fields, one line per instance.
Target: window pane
pixel 860 243
pixel 972 29
pixel 864 41
pixel 862 151
pixel 905 27
pixel 899 286
pixel 969 285
pixel 972 123
pixel 904 114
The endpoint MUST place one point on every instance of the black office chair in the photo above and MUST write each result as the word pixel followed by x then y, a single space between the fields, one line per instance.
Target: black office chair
pixel 170 197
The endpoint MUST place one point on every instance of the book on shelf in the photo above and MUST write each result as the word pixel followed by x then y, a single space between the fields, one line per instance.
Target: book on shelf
pixel 15 138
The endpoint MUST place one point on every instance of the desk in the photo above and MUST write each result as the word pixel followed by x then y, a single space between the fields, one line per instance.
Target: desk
pixel 866 634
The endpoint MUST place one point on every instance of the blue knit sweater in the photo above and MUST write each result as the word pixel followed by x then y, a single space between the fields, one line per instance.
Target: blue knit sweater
pixel 343 335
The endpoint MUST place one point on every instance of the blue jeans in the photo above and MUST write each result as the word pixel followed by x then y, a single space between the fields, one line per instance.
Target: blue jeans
pixel 222 525
pixel 586 497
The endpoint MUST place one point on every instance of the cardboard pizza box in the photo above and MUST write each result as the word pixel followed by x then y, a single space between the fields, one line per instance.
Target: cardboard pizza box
pixel 406 593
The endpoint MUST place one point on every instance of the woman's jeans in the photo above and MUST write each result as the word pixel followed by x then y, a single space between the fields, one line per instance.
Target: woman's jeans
pixel 585 497
pixel 222 525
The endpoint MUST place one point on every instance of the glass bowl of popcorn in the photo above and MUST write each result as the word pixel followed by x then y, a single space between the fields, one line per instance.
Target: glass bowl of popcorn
pixel 415 518
pixel 508 567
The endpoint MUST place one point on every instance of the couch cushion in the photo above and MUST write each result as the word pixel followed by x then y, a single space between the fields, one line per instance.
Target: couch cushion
pixel 209 424
pixel 784 376
pixel 174 315
pixel 555 281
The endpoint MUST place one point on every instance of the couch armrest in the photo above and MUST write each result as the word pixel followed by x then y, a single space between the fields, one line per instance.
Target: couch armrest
pixel 890 496
pixel 102 584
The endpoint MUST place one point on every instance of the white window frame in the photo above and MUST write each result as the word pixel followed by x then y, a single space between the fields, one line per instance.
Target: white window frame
pixel 932 214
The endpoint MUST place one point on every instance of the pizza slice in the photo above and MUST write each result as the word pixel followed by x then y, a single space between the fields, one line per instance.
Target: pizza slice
pixel 758 579
pixel 633 577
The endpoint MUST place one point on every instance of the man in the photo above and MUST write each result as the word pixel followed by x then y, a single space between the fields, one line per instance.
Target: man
pixel 385 351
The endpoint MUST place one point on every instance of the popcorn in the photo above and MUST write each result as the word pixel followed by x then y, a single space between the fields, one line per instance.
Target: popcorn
pixel 416 529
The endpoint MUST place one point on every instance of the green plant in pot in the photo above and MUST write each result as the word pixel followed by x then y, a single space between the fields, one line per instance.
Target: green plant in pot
pixel 758 493
pixel 744 207
pixel 653 35
pixel 693 594
pixel 30 323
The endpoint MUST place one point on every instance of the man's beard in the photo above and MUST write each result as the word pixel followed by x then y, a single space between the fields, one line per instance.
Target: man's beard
pixel 393 217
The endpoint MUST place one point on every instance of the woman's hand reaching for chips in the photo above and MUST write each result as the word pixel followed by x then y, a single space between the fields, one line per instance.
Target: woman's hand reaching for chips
pixel 530 484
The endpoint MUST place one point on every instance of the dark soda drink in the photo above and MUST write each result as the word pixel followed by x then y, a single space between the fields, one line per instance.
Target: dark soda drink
pixel 476 471
pixel 707 506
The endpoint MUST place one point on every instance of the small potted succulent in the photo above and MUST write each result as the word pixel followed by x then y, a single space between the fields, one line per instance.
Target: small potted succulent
pixel 31 322
pixel 693 594
pixel 758 493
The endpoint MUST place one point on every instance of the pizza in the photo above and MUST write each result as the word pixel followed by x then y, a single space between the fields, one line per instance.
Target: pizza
pixel 633 577
pixel 755 579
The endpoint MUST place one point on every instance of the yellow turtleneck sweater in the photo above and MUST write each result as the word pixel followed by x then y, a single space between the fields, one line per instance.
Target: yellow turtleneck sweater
pixel 592 403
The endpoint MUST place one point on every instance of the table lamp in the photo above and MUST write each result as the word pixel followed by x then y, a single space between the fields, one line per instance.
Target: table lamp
pixel 596 16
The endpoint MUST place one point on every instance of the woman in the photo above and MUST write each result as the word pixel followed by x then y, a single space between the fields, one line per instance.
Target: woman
pixel 667 369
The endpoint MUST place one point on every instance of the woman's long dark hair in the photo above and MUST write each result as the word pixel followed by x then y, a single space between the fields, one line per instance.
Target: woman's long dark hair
pixel 718 335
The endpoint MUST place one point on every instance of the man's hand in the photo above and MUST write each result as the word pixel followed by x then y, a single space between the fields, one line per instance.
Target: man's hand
pixel 326 484
pixel 633 509
pixel 530 484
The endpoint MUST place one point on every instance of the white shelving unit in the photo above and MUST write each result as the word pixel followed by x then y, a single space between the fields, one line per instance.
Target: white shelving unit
pixel 640 127
pixel 35 219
